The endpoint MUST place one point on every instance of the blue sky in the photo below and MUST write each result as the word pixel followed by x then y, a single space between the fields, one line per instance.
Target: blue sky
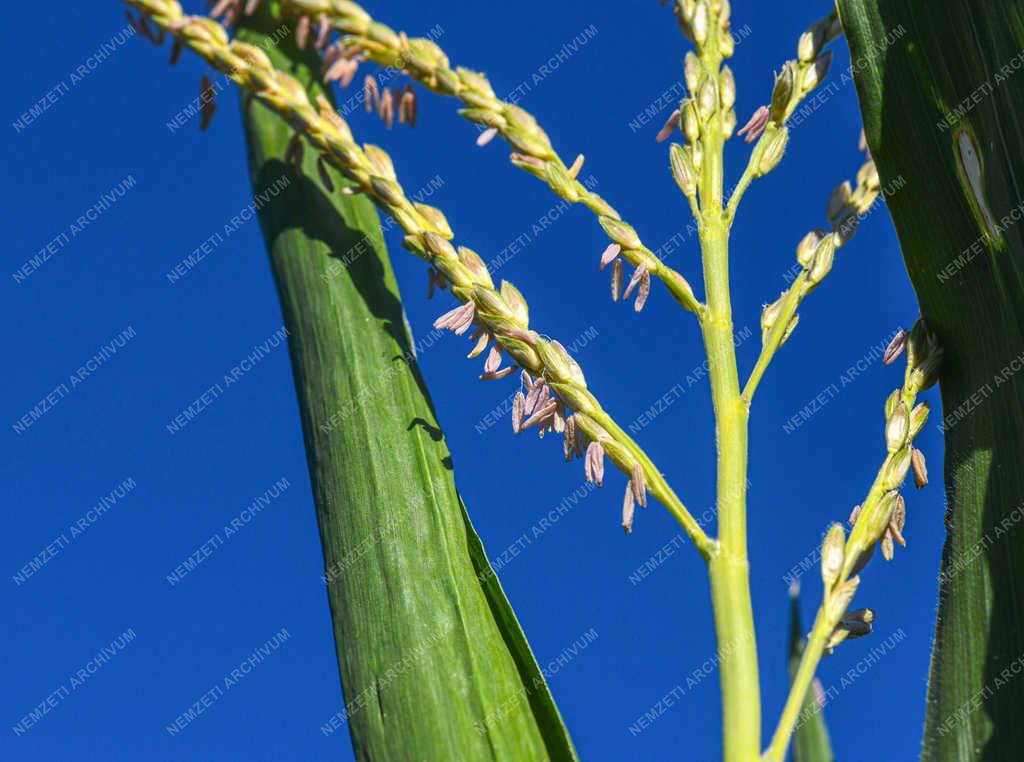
pixel 110 502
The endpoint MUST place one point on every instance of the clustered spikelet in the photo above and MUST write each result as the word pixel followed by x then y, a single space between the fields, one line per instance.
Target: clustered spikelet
pixel 420 58
pixel 797 78
pixel 881 519
pixel 816 254
pixel 696 16
pixel 557 389
pixel 713 94
pixel 362 38
pixel 340 60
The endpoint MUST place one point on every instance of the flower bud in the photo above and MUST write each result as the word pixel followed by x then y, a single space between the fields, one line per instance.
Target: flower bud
pixel 708 99
pixel 414 243
pixel 728 123
pixel 816 73
pixel 489 302
pixel 926 374
pixel 204 30
pixel 560 182
pixel 773 151
pixel 437 246
pixel 436 219
pixel 727 88
pixel 699 25
pixel 918 417
pixel 448 82
pixel 405 218
pixel 897 467
pixel 691 122
pixel 575 371
pixel 380 162
pixel 515 302
pixel 388 191
pixel 477 269
pixel 581 401
pixel 521 120
pixel 832 551
pixel 865 199
pixel 484 117
pixel 823 259
pixel 807 246
pixel 620 232
pixel 693 72
pixel 867 176
pixel 521 353
pixel 769 316
pixel 473 79
pixel 811 41
pixel 838 200
pixel 806 49
pixel 726 44
pixel 556 363
pixel 841 598
pixel 783 92
pixel 891 403
pixel 897 427
pixel 879 520
pixel 683 171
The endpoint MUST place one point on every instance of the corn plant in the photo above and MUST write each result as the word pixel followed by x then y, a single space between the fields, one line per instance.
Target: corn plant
pixel 554 396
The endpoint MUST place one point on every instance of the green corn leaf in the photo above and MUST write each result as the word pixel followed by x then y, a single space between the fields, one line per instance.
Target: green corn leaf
pixel 943 102
pixel 434 665
pixel 810 739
